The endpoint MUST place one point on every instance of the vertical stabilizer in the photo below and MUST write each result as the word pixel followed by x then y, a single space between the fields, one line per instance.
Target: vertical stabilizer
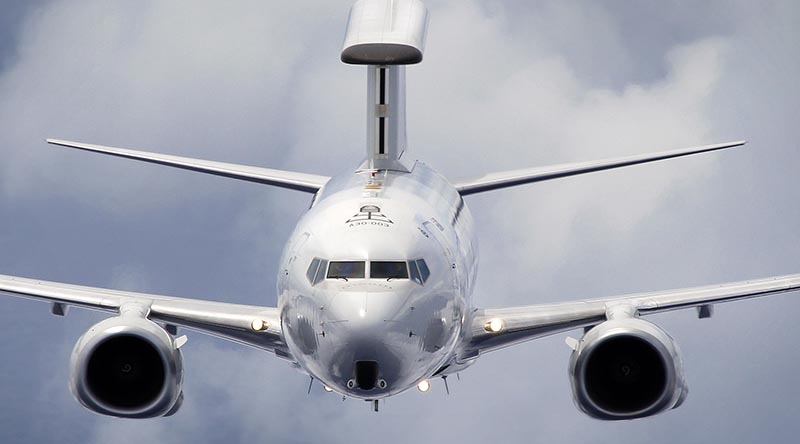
pixel 386 35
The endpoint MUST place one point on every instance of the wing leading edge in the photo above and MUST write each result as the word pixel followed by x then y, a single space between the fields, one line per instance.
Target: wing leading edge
pixel 229 321
pixel 309 183
pixel 520 324
pixel 505 179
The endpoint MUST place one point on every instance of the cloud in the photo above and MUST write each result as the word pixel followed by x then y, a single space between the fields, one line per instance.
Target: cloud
pixel 504 85
pixel 541 112
pixel 138 75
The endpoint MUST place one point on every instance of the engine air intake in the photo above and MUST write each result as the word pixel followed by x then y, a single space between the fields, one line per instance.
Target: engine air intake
pixel 125 372
pixel 129 367
pixel 626 368
pixel 625 374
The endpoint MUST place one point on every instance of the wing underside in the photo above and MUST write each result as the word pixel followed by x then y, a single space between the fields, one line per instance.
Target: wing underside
pixel 520 324
pixel 230 321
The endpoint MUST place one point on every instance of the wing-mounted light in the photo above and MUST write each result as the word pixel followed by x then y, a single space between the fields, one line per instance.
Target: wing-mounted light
pixel 259 325
pixel 424 386
pixel 495 325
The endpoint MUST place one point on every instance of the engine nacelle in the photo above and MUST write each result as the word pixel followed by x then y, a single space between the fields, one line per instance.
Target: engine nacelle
pixel 625 369
pixel 127 366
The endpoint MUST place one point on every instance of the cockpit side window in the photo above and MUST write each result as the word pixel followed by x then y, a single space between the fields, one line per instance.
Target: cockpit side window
pixel 419 271
pixel 316 271
pixel 312 270
pixel 388 270
pixel 415 276
pixel 346 270
pixel 424 272
pixel 323 265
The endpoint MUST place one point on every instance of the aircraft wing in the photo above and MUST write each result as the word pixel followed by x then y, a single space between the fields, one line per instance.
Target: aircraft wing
pixel 505 179
pixel 520 324
pixel 230 321
pixel 308 183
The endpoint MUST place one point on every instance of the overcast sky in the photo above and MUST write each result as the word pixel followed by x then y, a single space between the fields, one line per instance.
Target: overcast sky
pixel 504 85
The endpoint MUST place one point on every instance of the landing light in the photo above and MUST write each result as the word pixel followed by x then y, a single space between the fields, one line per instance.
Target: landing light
pixel 259 325
pixel 493 326
pixel 424 386
pixel 327 389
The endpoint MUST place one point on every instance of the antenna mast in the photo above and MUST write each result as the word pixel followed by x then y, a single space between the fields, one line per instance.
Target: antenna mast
pixel 386 35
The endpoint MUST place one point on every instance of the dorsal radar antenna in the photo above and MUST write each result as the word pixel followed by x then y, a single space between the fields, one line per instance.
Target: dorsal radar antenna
pixel 386 35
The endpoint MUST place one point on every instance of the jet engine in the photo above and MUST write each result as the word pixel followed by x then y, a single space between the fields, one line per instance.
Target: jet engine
pixel 626 368
pixel 127 366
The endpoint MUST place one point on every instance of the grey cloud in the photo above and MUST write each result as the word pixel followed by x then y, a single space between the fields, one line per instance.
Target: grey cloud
pixel 504 85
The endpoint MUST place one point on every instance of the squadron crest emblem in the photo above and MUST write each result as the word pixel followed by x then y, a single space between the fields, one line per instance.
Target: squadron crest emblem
pixel 369 215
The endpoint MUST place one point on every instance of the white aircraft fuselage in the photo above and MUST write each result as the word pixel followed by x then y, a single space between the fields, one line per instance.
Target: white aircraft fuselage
pixel 404 330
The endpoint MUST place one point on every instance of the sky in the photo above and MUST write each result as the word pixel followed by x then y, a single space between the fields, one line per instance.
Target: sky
pixel 504 85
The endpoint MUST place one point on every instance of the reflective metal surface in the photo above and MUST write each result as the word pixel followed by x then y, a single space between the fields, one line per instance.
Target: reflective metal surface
pixel 634 387
pixel 98 392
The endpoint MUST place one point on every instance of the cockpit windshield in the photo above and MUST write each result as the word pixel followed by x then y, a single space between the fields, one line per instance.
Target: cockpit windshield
pixel 388 270
pixel 320 269
pixel 346 270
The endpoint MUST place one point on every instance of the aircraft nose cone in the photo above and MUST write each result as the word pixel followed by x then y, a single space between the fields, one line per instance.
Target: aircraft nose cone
pixel 365 353
pixel 350 307
pixel 364 309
